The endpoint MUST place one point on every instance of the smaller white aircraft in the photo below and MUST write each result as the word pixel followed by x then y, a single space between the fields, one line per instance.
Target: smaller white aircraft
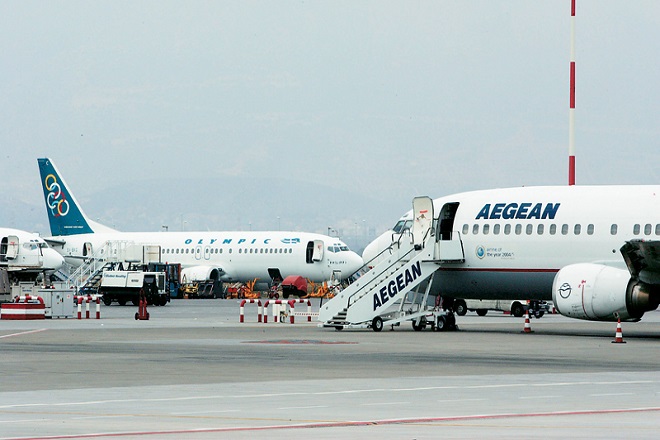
pixel 25 255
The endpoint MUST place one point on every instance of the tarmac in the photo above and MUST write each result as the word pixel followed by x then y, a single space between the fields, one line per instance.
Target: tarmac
pixel 193 371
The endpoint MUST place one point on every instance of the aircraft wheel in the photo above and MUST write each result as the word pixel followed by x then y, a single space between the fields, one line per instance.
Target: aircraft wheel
pixel 420 326
pixel 517 310
pixel 460 307
pixel 377 324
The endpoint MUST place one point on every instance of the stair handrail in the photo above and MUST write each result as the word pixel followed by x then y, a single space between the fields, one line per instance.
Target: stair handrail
pixel 92 263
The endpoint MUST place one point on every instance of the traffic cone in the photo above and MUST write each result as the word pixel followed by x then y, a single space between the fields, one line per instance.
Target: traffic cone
pixel 528 327
pixel 618 336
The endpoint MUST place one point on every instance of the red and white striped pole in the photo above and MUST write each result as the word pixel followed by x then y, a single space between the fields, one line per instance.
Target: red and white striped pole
pixel 571 111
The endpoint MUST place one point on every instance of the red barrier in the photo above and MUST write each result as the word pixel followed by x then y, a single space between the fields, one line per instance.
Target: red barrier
pixel 292 303
pixel 250 301
pixel 24 308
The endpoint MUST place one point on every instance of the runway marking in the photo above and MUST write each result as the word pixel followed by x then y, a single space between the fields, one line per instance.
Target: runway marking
pixel 540 397
pixel 326 393
pixel 611 394
pixel 461 400
pixel 384 403
pixel 337 424
pixel 23 333
pixel 302 407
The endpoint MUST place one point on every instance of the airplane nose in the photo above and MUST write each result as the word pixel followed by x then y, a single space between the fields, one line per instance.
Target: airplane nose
pixel 355 262
pixel 52 259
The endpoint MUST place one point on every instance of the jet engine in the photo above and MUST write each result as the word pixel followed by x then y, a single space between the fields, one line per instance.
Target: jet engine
pixel 596 292
pixel 200 273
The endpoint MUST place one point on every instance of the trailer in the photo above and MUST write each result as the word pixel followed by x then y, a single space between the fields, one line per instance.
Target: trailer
pixel 123 286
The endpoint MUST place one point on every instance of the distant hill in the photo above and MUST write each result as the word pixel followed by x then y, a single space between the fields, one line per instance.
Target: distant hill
pixel 222 203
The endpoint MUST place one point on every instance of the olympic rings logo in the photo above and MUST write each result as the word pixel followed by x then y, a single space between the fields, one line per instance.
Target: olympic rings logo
pixel 55 200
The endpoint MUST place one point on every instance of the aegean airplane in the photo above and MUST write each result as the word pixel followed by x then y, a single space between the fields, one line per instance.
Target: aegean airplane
pixel 593 250
pixel 227 256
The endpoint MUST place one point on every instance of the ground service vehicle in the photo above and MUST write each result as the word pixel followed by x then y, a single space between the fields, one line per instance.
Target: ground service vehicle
pixel 124 286
pixel 516 307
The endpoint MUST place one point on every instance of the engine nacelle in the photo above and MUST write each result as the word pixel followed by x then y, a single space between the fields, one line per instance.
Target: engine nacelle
pixel 200 273
pixel 601 293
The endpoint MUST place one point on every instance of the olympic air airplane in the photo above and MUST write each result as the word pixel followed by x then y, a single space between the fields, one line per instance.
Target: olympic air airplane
pixel 215 255
pixel 25 255
pixel 593 250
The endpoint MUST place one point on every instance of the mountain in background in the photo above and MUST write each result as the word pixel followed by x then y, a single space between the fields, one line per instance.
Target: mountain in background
pixel 222 203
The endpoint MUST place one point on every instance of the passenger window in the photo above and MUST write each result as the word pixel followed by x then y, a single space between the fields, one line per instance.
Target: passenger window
pixel 564 229
pixel 636 229
pixel 230 250
pixel 647 229
pixel 657 229
pixel 475 229
pixel 539 229
pixel 590 229
pixel 507 229
pixel 518 229
pixel 553 229
pixel 577 229
pixel 529 229
pixel 466 229
pixel 613 229
pixel 496 229
pixel 486 229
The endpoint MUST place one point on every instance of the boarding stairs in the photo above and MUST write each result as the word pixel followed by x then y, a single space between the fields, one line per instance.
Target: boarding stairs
pixel 87 277
pixel 413 259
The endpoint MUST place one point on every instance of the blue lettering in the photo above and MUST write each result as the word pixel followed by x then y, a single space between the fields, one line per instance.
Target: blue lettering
pixel 399 282
pixel 201 241
pixel 226 241
pixel 416 270
pixel 409 278
pixel 497 211
pixel 522 211
pixel 383 295
pixel 377 302
pixel 240 241
pixel 510 211
pixel 535 212
pixel 213 240
pixel 188 241
pixel 550 211
pixel 484 212
pixel 253 241
pixel 266 241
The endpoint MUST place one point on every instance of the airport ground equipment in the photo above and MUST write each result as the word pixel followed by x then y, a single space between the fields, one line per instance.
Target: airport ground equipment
pixel 516 307
pixel 24 308
pixel 142 313
pixel 241 317
pixel 401 280
pixel 124 286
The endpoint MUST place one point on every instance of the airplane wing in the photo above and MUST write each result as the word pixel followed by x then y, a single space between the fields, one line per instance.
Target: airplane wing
pixel 54 241
pixel 643 260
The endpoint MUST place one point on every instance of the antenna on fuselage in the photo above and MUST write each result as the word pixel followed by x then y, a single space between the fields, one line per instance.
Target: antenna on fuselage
pixel 571 110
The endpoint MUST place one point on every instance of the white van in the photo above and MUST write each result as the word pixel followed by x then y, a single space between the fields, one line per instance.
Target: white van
pixel 516 307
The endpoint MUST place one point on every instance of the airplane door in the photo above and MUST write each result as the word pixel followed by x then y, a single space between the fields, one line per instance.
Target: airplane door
pixel 198 252
pixel 423 219
pixel 12 247
pixel 87 249
pixel 446 221
pixel 315 251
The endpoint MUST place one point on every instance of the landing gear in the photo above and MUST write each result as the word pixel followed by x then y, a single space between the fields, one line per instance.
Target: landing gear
pixel 377 324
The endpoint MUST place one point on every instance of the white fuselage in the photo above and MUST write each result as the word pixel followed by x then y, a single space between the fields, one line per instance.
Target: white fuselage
pixel 515 240
pixel 240 256
pixel 22 251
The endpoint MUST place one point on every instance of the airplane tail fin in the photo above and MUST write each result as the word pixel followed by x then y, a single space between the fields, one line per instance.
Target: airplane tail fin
pixel 64 214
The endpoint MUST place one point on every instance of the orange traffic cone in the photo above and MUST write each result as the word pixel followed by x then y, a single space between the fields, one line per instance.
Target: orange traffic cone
pixel 528 327
pixel 618 336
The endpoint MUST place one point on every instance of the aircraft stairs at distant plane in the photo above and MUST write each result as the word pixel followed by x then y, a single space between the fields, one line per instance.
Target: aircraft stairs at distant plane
pixel 397 289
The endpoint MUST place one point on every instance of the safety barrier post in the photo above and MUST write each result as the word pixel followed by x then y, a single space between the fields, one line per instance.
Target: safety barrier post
pixel 292 303
pixel 251 301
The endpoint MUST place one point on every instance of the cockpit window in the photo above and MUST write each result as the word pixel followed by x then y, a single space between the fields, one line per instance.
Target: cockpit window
pixel 338 247
pixel 402 225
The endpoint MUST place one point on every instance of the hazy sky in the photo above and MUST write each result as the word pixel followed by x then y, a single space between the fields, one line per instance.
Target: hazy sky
pixel 386 99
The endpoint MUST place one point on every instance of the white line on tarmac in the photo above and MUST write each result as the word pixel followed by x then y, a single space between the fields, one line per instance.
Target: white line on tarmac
pixel 23 333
